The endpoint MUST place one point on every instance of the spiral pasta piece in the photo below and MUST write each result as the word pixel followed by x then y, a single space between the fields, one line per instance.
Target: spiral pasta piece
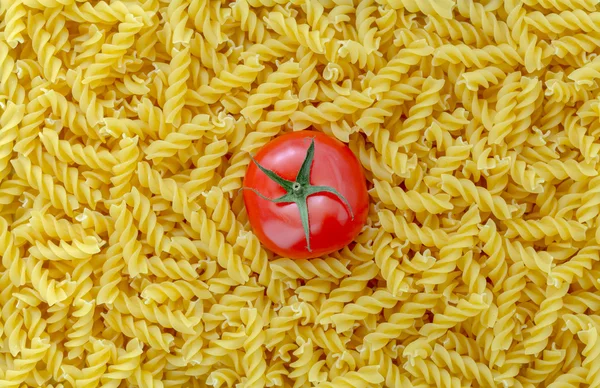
pixel 132 248
pixel 561 170
pixel 148 224
pixel 57 194
pixel 270 89
pixel 254 363
pixel 558 23
pixel 175 93
pixel 301 33
pixel 418 113
pixel 362 308
pixel 544 319
pixel 415 234
pixel 180 140
pixel 307 269
pixel 389 265
pixel 471 193
pixel 9 121
pixel 161 292
pixel 548 226
pixel 411 200
pixel 113 51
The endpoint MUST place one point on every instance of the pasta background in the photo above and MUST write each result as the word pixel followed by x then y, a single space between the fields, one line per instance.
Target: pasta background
pixel 126 255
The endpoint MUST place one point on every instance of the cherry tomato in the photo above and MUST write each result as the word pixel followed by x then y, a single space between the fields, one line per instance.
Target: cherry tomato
pixel 306 195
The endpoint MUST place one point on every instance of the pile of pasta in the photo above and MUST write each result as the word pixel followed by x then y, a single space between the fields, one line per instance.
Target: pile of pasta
pixel 126 128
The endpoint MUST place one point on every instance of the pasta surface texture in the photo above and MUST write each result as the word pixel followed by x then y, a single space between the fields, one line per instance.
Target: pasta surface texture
pixel 127 259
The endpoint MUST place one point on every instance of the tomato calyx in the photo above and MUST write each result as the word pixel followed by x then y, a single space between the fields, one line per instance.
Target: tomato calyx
pixel 300 189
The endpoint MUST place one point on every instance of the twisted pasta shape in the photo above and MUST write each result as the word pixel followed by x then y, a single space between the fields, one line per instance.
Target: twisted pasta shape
pixel 51 291
pixel 23 366
pixel 13 17
pixel 505 107
pixel 169 268
pixel 558 23
pixel 348 288
pixel 406 317
pixel 254 362
pixel 418 113
pixel 393 71
pixel 370 159
pixel 275 83
pixel 300 33
pixel 181 289
pixel 524 175
pixel 180 140
pixel 97 362
pixel 429 7
pixel 482 18
pixel 241 76
pixel 272 123
pixel 123 368
pixel 78 250
pixel 544 319
pixel 206 228
pixel 363 307
pixel 455 156
pixel 79 334
pixel 483 78
pixel 388 265
pixel 9 122
pixel 44 49
pixel 493 246
pixel 364 376
pixel 411 200
pixel 365 55
pixel 331 111
pixel 452 251
pixel 69 177
pixel 148 334
pixel 463 365
pixel 455 30
pixel 471 193
pixel 148 224
pixel 432 374
pixel 573 269
pixel 473 57
pixel 371 119
pixel 175 93
pixel 76 153
pixel 576 44
pixel 128 240
pixel 557 169
pixel 249 21
pixel 412 232
pixel 44 183
pixel 544 367
pixel 308 269
pixel 151 312
pixel 566 92
pixel 114 51
pixel 394 160
pixel 532 230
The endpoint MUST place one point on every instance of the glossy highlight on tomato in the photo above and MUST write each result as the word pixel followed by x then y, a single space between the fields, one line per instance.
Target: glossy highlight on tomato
pixel 308 174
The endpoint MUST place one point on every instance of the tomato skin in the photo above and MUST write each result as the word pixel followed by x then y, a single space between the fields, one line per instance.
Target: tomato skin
pixel 278 226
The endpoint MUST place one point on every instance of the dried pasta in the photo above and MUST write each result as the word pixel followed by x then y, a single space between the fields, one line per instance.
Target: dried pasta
pixel 126 256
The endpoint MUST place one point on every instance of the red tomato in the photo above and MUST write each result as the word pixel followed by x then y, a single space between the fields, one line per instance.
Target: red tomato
pixel 288 180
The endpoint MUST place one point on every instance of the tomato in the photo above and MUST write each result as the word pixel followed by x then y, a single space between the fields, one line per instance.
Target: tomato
pixel 305 195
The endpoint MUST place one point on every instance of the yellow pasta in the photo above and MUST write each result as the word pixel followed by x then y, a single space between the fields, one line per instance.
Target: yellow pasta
pixel 127 259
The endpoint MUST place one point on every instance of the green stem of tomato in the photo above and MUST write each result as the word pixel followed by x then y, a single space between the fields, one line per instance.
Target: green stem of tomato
pixel 300 189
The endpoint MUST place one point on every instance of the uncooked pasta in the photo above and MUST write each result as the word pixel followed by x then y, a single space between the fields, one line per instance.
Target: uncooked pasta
pixel 127 258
